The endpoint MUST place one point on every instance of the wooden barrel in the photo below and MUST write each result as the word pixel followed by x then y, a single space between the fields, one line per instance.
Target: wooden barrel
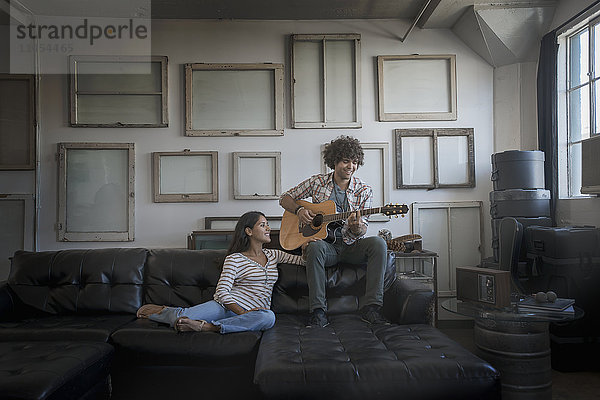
pixel 521 352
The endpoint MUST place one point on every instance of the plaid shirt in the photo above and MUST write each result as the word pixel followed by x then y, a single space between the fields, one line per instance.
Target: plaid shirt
pixel 319 188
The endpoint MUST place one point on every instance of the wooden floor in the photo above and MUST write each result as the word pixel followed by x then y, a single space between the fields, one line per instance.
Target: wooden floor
pixel 565 385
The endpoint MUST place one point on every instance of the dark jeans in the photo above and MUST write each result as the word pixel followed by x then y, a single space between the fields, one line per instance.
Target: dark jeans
pixel 371 250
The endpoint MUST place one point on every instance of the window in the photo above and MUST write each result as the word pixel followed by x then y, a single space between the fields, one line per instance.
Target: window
pixel 581 84
pixel 96 192
pixel 435 158
pixel 325 81
pixel 248 184
pixel 108 91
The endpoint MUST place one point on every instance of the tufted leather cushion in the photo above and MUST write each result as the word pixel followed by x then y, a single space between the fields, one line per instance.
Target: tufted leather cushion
pixel 79 281
pixel 93 328
pixel 350 359
pixel 53 370
pixel 179 277
pixel 146 342
pixel 345 284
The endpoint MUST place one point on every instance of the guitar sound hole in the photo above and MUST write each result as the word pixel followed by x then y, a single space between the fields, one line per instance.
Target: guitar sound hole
pixel 317 220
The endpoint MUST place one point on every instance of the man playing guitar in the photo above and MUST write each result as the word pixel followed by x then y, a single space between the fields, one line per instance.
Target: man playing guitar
pixel 347 244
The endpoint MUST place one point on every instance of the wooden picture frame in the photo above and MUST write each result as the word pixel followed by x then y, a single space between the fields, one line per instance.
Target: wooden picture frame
pixel 17 122
pixel 435 158
pixel 234 99
pixel 118 91
pixel 325 80
pixel 96 192
pixel 417 87
pixel 17 213
pixel 185 176
pixel 228 223
pixel 256 176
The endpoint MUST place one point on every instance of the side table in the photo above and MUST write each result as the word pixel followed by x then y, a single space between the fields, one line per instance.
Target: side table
pixel 517 343
pixel 420 265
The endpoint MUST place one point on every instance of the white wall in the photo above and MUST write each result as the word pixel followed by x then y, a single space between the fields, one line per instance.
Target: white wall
pixel 186 41
pixel 585 211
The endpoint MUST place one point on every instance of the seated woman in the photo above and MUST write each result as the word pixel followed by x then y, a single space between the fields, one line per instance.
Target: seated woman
pixel 242 299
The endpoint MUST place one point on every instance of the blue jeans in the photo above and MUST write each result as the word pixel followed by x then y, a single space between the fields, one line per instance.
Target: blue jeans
pixel 218 315
pixel 371 250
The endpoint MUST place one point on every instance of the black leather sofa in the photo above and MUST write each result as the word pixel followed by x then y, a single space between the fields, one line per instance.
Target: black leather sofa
pixel 88 299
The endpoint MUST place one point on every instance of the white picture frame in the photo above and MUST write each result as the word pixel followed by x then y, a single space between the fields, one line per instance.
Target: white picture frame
pixel 376 154
pixel 185 176
pixel 417 87
pixel 256 175
pixel 96 192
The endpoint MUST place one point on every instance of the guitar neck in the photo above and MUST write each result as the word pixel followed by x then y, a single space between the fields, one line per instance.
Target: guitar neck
pixel 344 215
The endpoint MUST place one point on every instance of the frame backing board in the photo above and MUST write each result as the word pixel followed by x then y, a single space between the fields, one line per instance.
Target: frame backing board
pixel 435 158
pixel 17 122
pixel 109 91
pixel 256 175
pixel 96 191
pixel 417 87
pixel 186 176
pixel 233 99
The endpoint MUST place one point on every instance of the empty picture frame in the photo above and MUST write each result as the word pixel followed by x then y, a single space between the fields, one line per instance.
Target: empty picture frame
pixel 228 223
pixel 16 229
pixel 325 81
pixel 233 99
pixel 118 91
pixel 256 175
pixel 96 191
pixel 434 158
pixel 374 172
pixel 17 122
pixel 185 176
pixel 417 87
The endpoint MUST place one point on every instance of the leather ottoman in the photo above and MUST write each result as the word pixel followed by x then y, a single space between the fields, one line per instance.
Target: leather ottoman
pixel 55 370
pixel 350 359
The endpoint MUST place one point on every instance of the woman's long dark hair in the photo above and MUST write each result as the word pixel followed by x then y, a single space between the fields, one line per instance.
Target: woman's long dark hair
pixel 241 241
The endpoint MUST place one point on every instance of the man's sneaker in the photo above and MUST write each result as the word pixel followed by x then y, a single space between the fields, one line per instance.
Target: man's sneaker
pixel 318 319
pixel 372 315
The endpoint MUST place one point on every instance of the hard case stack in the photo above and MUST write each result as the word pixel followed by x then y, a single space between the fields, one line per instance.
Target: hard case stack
pixel 518 181
pixel 567 261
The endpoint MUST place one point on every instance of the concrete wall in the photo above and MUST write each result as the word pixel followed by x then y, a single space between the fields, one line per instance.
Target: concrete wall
pixel 185 41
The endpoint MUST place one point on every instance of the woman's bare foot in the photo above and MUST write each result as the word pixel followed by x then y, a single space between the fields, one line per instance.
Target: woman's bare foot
pixel 148 309
pixel 184 324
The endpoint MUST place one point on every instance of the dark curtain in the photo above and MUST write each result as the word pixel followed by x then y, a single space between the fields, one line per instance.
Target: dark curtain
pixel 547 115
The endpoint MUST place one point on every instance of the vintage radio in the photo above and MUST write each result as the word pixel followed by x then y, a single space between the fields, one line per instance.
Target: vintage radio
pixel 483 285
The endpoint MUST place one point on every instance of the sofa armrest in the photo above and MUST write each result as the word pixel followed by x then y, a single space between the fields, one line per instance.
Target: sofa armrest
pixel 7 304
pixel 409 301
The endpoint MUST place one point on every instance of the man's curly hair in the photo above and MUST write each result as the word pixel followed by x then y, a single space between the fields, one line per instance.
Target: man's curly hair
pixel 343 147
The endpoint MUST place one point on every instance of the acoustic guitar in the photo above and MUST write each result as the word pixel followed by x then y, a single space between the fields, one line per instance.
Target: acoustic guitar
pixel 293 235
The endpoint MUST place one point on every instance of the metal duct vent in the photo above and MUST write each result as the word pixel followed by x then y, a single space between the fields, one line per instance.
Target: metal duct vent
pixel 505 35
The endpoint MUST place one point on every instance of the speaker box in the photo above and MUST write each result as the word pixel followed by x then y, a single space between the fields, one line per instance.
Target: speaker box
pixel 483 285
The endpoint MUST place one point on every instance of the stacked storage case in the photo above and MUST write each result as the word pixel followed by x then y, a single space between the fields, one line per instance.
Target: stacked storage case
pixel 518 181
pixel 567 261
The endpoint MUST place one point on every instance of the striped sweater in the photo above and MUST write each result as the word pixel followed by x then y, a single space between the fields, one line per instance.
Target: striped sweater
pixel 249 284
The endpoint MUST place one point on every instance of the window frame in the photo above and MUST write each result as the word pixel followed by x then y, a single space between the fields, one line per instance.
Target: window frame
pixel 277 96
pixel 324 38
pixel 182 196
pixel 74 92
pixel 238 158
pixel 567 181
pixel 64 234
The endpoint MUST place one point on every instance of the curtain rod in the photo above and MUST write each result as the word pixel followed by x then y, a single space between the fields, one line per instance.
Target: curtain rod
pixel 576 16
